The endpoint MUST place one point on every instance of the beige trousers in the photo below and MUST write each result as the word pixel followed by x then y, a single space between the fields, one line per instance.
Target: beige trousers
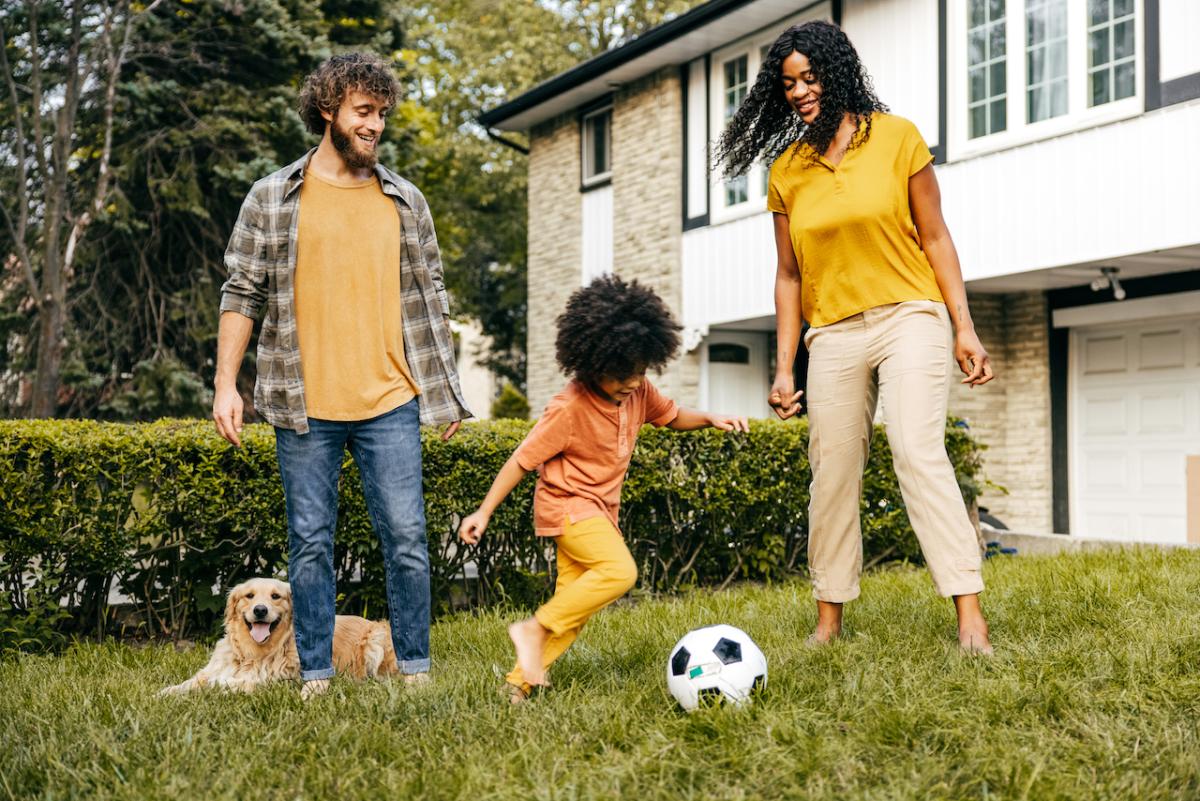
pixel 898 355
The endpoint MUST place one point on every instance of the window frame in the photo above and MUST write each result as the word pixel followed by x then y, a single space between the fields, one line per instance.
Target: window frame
pixel 753 47
pixel 585 146
pixel 1019 130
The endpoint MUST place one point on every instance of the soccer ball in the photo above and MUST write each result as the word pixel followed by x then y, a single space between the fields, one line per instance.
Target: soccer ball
pixel 715 663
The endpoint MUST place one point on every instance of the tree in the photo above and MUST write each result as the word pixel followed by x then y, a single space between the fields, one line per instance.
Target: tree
pixel 60 63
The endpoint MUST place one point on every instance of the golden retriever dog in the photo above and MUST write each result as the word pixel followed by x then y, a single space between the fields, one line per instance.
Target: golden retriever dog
pixel 260 644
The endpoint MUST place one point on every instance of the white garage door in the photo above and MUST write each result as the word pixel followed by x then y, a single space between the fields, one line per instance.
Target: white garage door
pixel 1134 417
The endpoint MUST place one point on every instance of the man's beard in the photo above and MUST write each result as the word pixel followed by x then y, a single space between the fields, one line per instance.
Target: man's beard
pixel 343 143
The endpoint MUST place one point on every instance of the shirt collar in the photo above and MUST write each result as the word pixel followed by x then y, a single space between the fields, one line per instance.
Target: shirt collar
pixel 294 178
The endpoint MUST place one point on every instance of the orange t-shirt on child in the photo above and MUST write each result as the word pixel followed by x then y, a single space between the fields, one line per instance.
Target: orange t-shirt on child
pixel 581 447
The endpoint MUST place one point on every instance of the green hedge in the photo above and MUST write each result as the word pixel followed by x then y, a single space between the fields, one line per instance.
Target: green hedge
pixel 164 512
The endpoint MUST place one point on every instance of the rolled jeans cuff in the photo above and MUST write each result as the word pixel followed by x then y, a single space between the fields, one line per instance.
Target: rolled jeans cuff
pixel 411 666
pixel 314 675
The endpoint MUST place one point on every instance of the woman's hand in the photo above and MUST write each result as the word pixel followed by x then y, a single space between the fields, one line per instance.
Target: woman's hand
pixel 473 526
pixel 784 397
pixel 972 359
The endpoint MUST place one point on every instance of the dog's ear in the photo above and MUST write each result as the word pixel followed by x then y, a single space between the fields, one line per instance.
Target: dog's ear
pixel 231 608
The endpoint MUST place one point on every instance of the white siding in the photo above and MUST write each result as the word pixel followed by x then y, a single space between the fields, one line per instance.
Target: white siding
pixel 1124 188
pixel 1179 34
pixel 898 43
pixel 597 233
pixel 729 271
pixel 697 139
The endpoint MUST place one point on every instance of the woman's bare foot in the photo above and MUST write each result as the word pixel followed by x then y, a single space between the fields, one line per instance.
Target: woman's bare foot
pixel 972 628
pixel 529 638
pixel 829 623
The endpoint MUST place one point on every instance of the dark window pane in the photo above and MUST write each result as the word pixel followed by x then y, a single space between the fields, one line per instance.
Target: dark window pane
pixel 1098 47
pixel 978 12
pixel 1097 12
pixel 600 143
pixel 1123 80
pixel 996 40
pixel 1122 8
pixel 998 116
pixel 728 354
pixel 1035 105
pixel 978 121
pixel 978 83
pixel 1099 80
pixel 976 47
pixel 1123 40
pixel 1035 27
pixel 995 10
pixel 997 79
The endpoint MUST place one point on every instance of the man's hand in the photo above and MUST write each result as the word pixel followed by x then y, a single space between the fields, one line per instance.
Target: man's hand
pixel 227 414
pixel 451 430
pixel 473 526
pixel 784 397
pixel 727 422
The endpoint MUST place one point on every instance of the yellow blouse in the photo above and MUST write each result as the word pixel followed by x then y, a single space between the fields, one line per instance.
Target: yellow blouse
pixel 851 225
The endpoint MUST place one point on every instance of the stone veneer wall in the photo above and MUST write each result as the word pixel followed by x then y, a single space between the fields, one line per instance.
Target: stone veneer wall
pixel 1012 413
pixel 555 264
pixel 647 162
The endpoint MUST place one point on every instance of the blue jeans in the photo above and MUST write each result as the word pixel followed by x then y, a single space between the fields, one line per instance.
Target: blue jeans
pixel 387 450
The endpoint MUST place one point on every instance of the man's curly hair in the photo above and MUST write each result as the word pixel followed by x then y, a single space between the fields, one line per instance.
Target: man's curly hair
pixel 766 125
pixel 614 329
pixel 325 88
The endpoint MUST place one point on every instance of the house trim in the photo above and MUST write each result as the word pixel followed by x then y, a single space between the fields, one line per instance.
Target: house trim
pixel 701 220
pixel 940 149
pixel 1059 358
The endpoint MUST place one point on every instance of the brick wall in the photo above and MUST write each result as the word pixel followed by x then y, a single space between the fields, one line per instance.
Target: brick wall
pixel 1012 413
pixel 647 166
pixel 555 245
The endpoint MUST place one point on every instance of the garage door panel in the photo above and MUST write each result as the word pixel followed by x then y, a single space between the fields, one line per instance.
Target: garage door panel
pixel 1161 411
pixel 1105 415
pixel 1106 470
pixel 1159 350
pixel 1104 354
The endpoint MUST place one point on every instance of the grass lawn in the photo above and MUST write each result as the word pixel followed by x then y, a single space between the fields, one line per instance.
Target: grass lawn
pixel 1094 693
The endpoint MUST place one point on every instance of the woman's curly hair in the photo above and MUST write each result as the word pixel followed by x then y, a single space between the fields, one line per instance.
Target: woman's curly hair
pixel 327 85
pixel 765 125
pixel 614 329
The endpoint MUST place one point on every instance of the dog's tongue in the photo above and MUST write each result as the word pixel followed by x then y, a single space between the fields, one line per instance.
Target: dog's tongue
pixel 260 631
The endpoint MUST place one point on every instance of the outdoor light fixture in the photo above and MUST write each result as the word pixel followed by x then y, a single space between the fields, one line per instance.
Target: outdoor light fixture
pixel 1108 277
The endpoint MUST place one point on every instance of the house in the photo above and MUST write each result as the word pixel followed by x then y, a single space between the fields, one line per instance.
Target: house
pixel 1066 135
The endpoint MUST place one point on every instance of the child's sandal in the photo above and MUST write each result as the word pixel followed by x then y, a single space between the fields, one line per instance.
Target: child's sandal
pixel 514 694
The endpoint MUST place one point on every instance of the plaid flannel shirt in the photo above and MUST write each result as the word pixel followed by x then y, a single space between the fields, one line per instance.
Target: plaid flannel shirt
pixel 261 262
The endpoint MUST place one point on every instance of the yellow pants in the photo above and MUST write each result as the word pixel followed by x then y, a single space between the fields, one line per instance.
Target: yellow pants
pixel 595 568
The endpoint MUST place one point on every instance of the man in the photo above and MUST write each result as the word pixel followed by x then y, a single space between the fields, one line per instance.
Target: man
pixel 355 351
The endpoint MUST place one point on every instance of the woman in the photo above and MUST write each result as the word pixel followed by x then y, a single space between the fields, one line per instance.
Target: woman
pixel 865 257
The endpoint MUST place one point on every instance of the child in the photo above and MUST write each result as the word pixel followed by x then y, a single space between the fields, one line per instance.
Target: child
pixel 609 335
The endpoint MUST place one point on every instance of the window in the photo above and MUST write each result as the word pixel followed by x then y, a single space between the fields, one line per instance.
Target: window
pixel 727 353
pixel 737 190
pixel 1045 59
pixel 1111 51
pixel 597 146
pixel 987 67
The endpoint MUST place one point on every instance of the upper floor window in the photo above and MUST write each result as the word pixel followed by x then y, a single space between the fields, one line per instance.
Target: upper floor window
pixel 736 85
pixel 1045 59
pixel 987 63
pixel 1023 70
pixel 597 146
pixel 1111 51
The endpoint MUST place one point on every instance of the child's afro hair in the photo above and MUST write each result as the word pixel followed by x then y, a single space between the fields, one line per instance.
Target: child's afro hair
pixel 613 329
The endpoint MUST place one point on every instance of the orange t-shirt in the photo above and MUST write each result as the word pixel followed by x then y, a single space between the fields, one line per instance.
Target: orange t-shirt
pixel 581 447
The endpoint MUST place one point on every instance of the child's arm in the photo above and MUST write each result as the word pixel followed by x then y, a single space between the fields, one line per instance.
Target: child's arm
pixel 473 525
pixel 691 419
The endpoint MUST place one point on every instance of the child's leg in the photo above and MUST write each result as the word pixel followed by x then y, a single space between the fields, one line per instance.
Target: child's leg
pixel 568 571
pixel 608 572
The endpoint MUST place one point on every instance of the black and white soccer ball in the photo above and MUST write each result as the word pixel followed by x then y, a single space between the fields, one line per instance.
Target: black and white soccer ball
pixel 715 663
